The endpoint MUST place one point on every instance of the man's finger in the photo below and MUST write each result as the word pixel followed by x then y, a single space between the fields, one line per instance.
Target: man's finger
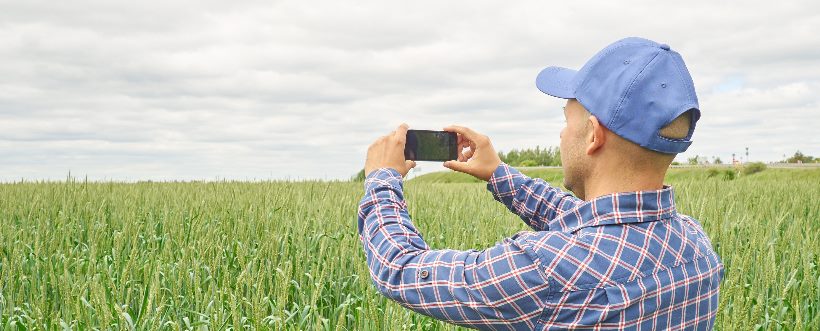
pixel 401 131
pixel 461 154
pixel 469 153
pixel 457 166
pixel 467 132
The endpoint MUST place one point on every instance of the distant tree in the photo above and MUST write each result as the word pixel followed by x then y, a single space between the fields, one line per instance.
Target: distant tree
pixel 799 157
pixel 717 160
pixel 550 156
pixel 692 160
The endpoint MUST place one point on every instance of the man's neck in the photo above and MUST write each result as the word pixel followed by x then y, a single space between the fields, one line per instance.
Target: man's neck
pixel 612 181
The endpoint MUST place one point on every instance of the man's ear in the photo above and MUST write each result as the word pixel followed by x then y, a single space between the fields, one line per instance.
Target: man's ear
pixel 596 137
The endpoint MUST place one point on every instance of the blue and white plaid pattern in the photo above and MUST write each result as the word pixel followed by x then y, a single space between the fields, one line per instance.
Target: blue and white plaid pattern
pixel 620 261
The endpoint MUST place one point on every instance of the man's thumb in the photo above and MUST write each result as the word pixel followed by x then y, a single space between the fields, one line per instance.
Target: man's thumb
pixel 456 165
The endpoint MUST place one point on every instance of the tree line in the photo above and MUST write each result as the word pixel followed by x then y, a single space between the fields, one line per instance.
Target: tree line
pixel 799 157
pixel 528 157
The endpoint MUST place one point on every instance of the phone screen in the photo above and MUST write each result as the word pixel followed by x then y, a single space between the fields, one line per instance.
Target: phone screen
pixel 428 145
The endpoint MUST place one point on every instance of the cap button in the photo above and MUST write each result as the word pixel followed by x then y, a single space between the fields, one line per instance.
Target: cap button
pixel 664 47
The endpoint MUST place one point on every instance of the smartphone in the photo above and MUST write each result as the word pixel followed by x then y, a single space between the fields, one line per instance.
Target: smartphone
pixel 429 145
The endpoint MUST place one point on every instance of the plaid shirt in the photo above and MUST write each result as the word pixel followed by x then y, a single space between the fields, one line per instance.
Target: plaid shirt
pixel 620 261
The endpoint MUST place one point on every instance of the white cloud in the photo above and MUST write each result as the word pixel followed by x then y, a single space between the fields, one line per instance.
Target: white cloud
pixel 294 89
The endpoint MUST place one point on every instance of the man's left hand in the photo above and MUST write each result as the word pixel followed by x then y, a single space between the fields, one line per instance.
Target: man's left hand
pixel 388 152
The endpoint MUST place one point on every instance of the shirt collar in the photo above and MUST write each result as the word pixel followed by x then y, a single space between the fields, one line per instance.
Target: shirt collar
pixel 618 208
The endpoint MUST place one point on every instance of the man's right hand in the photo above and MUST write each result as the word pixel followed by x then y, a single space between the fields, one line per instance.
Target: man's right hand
pixel 480 161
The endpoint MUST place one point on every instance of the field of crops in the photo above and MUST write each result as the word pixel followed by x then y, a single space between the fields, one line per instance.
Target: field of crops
pixel 285 255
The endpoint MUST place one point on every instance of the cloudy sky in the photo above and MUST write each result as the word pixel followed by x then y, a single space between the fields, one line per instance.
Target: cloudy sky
pixel 163 90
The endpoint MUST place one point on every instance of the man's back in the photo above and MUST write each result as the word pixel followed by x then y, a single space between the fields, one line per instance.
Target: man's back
pixel 620 261
pixel 657 273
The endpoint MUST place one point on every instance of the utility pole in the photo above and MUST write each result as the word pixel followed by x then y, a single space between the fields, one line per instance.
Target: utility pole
pixel 747 154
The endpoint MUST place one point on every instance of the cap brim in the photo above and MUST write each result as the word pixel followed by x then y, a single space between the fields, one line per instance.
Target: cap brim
pixel 557 82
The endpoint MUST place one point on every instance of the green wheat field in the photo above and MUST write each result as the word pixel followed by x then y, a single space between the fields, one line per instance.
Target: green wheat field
pixel 286 255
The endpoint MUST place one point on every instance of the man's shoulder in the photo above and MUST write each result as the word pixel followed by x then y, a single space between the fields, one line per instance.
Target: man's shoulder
pixel 688 218
pixel 693 222
pixel 615 253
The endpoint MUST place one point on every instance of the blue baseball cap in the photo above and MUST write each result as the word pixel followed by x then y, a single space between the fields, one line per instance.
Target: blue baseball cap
pixel 634 87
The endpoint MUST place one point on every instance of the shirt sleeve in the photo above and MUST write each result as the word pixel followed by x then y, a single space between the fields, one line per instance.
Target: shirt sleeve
pixel 533 199
pixel 501 287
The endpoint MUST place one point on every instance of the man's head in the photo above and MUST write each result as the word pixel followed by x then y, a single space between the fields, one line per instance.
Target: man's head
pixel 630 110
pixel 586 145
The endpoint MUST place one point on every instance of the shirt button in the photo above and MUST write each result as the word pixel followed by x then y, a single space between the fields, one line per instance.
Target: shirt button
pixel 424 273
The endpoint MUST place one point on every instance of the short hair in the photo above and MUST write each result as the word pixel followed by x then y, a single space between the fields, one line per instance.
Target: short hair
pixel 640 156
pixel 679 127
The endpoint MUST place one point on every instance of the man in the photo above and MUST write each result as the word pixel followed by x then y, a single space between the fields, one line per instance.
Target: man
pixel 617 255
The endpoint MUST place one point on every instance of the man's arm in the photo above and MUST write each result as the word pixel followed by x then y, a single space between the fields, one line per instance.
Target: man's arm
pixel 532 199
pixel 535 201
pixel 502 287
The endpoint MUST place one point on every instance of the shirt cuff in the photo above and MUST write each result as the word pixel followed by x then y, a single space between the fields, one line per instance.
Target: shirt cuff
pixel 383 177
pixel 502 183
